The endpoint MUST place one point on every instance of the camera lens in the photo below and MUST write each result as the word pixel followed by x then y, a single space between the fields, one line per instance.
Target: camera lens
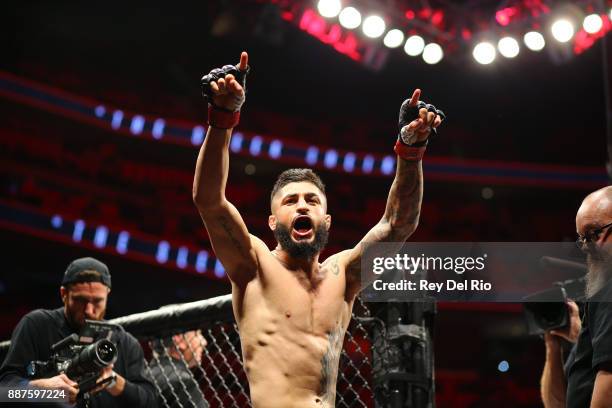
pixel 92 358
pixel 106 351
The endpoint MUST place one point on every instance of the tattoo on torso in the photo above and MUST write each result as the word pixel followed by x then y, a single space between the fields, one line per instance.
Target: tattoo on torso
pixel 335 267
pixel 329 365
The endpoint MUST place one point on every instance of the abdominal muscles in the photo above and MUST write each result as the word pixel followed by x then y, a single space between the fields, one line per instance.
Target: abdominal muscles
pixel 291 365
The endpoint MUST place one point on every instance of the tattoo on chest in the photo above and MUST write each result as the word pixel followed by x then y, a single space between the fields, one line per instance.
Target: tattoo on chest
pixel 329 365
pixel 335 267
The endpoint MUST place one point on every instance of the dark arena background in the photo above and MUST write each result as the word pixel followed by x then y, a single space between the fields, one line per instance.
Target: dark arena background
pixel 101 118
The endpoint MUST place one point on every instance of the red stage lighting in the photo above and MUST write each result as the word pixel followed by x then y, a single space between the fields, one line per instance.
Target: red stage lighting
pixel 425 13
pixel 437 18
pixel 505 15
pixel 332 34
pixel 583 40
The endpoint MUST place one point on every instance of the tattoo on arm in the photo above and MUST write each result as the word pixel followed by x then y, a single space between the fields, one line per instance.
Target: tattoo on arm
pixel 397 224
pixel 400 219
pixel 404 201
pixel 228 230
pixel 329 365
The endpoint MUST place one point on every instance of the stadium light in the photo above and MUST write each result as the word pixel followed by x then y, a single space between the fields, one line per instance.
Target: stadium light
pixel 562 30
pixel 350 18
pixel 394 38
pixel 432 53
pixel 592 23
pixel 534 41
pixel 373 26
pixel 329 8
pixel 484 53
pixel 508 47
pixel 414 45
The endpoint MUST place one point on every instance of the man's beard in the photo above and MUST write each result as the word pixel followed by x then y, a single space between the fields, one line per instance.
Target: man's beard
pixel 301 249
pixel 599 262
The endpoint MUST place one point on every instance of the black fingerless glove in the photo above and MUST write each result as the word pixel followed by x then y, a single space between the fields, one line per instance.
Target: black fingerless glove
pixel 409 113
pixel 222 117
pixel 407 146
pixel 219 73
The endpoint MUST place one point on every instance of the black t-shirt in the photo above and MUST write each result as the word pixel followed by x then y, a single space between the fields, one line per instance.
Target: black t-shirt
pixel 37 331
pixel 593 350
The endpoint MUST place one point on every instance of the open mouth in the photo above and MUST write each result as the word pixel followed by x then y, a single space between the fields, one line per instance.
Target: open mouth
pixel 302 226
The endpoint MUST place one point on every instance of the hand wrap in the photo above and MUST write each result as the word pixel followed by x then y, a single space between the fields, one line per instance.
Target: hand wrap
pixel 222 117
pixel 407 146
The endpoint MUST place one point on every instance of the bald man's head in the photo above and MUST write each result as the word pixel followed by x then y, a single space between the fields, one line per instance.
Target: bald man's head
pixel 594 214
pixel 595 211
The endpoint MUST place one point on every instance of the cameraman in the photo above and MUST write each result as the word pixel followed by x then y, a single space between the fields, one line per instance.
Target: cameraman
pixel 84 292
pixel 585 380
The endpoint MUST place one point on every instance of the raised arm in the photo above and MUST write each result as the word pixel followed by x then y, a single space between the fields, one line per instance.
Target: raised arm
pixel 228 233
pixel 403 207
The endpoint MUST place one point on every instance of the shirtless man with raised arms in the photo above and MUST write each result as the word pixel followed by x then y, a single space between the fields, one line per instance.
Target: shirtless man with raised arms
pixel 293 310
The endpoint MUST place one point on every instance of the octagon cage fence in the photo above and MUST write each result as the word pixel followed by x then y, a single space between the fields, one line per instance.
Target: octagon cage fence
pixel 386 360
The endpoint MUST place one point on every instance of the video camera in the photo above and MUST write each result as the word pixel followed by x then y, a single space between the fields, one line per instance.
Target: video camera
pixel 82 357
pixel 548 310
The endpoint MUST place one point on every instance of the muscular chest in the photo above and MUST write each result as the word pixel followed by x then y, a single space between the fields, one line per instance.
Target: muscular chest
pixel 314 307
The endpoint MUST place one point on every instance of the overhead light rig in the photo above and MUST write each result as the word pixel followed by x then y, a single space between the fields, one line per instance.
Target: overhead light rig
pixel 367 30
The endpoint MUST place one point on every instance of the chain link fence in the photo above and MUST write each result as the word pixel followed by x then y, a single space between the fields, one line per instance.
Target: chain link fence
pixel 199 364
pixel 193 355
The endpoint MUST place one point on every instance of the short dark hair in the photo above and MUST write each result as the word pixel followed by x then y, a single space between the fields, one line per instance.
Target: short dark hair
pixel 296 176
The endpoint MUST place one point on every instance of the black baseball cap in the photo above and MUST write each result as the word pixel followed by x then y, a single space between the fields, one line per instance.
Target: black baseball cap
pixel 73 272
